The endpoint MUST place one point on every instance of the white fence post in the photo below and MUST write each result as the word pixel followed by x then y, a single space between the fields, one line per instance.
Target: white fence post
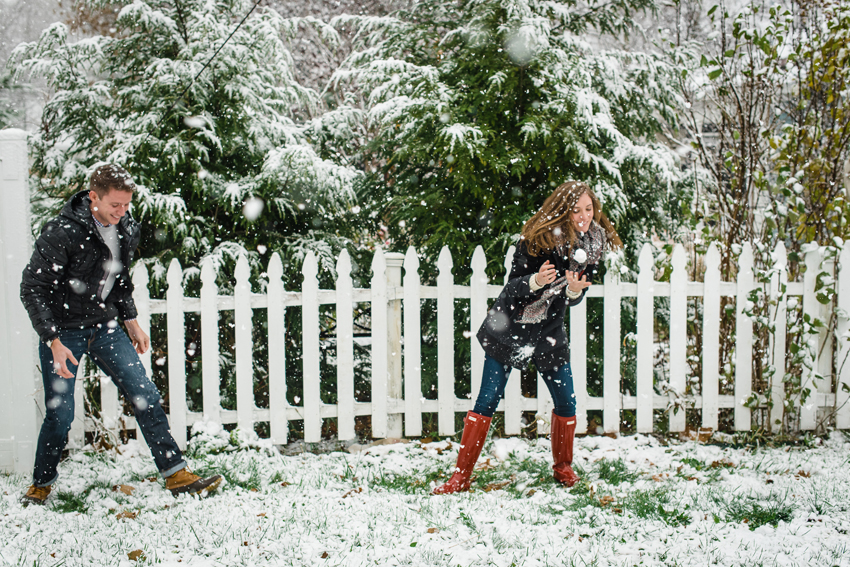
pixel 344 348
pixel 210 376
pixel 711 339
pixel 394 367
pixel 380 417
pixel 512 402
pixel 445 344
pixel 311 353
pixel 778 288
pixel 826 344
pixel 678 339
pixel 612 402
pixel 19 378
pixel 278 423
pixel 645 339
pixel 578 362
pixel 477 314
pixel 412 346
pixel 811 307
pixel 744 341
pixel 842 332
pixel 176 327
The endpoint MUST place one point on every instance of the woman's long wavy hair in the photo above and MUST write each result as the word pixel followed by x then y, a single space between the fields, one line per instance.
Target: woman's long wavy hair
pixel 551 227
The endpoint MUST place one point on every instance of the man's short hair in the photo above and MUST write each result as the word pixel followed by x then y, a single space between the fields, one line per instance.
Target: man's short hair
pixel 110 176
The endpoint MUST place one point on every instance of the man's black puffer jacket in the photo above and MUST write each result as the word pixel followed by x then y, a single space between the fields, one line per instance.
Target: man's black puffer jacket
pixel 60 284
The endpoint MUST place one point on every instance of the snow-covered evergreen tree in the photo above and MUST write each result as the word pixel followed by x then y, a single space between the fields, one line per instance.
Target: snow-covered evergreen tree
pixel 478 108
pixel 219 151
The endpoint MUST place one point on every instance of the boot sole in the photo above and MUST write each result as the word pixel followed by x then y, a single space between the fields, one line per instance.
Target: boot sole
pixel 27 500
pixel 198 487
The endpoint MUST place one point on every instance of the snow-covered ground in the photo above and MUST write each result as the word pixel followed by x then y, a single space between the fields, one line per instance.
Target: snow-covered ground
pixel 645 502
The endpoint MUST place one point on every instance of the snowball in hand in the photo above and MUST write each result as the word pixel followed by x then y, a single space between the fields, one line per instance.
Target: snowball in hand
pixel 580 256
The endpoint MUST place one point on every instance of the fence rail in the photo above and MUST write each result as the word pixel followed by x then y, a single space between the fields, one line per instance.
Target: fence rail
pixel 397 401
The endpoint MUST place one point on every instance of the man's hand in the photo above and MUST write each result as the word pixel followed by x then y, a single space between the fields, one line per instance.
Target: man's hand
pixel 141 341
pixel 61 356
pixel 575 283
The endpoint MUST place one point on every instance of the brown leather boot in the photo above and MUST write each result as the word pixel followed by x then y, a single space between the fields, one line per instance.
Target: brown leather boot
pixel 474 433
pixel 36 495
pixel 563 434
pixel 185 481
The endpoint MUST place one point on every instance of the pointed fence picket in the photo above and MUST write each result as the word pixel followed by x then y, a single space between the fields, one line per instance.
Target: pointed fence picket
pixel 379 346
pixel 612 397
pixel 810 379
pixel 779 298
pixel 412 345
pixel 311 359
pixel 512 404
pixel 743 340
pixel 278 405
pixel 578 361
pixel 445 344
pixel 175 325
pixel 645 339
pixel 345 348
pixel 678 379
pixel 210 375
pixel 842 361
pixel 396 303
pixel 711 339
pixel 243 318
pixel 477 313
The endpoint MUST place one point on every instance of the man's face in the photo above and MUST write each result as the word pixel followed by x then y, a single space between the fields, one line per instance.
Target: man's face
pixel 111 207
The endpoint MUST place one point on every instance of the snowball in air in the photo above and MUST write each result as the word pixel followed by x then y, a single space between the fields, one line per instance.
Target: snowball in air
pixel 580 256
pixel 252 209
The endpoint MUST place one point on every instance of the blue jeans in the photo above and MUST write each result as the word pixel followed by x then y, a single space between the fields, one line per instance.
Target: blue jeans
pixel 112 351
pixel 559 380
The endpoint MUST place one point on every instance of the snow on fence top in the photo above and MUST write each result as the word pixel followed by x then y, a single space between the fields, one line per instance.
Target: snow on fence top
pixel 397 401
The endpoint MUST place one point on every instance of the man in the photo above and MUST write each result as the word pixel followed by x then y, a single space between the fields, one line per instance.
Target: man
pixel 76 288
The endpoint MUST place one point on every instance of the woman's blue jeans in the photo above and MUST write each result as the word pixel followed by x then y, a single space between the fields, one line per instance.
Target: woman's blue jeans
pixel 559 380
pixel 112 351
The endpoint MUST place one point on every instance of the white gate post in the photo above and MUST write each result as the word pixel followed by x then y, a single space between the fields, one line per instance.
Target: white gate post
pixel 395 260
pixel 19 422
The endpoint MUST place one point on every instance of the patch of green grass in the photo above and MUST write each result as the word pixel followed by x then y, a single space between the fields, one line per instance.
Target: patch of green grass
pixel 615 471
pixel 417 483
pixel 650 504
pixel 277 478
pixel 756 512
pixel 694 463
pixel 246 476
pixel 68 502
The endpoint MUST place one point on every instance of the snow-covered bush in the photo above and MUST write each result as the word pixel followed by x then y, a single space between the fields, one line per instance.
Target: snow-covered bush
pixel 211 125
pixel 476 110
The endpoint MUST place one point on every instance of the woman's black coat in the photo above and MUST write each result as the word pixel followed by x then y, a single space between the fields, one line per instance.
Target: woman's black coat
pixel 507 336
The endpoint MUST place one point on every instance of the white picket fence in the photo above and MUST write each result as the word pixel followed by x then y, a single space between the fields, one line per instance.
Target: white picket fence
pixel 397 401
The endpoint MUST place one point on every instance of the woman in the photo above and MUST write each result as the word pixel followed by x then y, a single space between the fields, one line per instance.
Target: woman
pixel 559 251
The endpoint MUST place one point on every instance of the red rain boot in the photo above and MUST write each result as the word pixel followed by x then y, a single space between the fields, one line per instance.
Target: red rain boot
pixel 474 433
pixel 563 433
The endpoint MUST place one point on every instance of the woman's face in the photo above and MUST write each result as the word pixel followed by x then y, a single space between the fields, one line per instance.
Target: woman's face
pixel 582 213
